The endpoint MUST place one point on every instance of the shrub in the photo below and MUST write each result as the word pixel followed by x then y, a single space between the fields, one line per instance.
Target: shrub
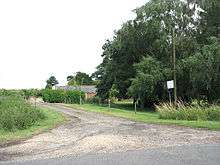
pixel 182 112
pixel 53 96
pixel 73 96
pixel 25 93
pixel 16 113
pixel 94 100
pixel 62 96
pixel 213 113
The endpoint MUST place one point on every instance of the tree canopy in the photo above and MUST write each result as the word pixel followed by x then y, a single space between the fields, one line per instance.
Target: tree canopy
pixel 80 78
pixel 138 60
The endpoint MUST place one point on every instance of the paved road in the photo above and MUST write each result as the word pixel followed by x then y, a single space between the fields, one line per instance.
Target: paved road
pixel 184 155
pixel 91 133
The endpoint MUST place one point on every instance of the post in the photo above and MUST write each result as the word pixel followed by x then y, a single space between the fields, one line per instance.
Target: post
pixel 80 97
pixel 109 103
pixel 135 107
pixel 174 67
pixel 99 102
pixel 35 102
pixel 170 97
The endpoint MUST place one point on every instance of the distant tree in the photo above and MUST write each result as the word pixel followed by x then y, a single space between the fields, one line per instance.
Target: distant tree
pixel 51 82
pixel 80 78
pixel 83 78
pixel 71 80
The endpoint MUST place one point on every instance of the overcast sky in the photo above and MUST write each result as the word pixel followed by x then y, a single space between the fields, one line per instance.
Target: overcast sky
pixel 40 38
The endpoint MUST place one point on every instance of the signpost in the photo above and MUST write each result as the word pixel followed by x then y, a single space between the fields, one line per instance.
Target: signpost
pixel 170 85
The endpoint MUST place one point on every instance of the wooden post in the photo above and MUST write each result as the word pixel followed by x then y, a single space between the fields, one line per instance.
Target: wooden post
pixel 170 97
pixel 109 103
pixel 135 107
pixel 35 102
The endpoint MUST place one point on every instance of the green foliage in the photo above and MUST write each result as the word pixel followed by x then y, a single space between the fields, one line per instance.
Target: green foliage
pixel 62 96
pixel 73 96
pixel 204 71
pixel 51 82
pixel 93 100
pixel 150 73
pixel 27 93
pixel 113 92
pixel 148 38
pixel 16 113
pixel 183 112
pixel 24 93
pixel 79 79
pixel 53 96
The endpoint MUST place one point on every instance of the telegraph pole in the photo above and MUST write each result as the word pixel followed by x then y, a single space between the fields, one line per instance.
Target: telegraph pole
pixel 174 66
pixel 80 97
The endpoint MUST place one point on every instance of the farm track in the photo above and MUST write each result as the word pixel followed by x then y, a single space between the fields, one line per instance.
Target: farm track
pixel 92 133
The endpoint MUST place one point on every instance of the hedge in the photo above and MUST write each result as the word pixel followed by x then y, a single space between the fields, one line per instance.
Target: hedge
pixel 62 96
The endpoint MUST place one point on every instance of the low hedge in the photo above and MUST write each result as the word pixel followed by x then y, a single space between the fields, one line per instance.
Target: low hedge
pixel 62 96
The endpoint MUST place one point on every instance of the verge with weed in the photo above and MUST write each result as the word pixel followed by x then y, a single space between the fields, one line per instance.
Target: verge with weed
pixel 17 113
pixel 190 113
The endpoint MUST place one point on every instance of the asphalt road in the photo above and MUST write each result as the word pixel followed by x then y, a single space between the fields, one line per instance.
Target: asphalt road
pixel 208 154
pixel 91 138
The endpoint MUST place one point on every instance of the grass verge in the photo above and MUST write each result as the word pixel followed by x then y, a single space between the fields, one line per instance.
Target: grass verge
pixel 51 120
pixel 147 117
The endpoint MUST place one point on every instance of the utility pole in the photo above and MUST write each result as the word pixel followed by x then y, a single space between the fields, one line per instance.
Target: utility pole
pixel 174 66
pixel 80 97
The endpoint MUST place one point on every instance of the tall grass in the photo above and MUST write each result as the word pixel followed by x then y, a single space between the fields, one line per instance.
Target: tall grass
pixel 16 113
pixel 183 112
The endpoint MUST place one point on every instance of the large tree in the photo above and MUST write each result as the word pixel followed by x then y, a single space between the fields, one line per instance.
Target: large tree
pixel 148 39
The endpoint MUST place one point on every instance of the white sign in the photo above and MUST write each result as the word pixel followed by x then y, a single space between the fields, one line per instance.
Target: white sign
pixel 170 84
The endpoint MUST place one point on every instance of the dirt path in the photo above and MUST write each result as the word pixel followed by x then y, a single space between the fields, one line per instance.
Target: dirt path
pixel 96 133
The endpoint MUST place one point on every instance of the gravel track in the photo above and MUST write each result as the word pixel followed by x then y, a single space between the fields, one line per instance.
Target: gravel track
pixel 92 133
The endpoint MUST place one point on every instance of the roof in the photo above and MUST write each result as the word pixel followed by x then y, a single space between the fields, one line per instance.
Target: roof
pixel 84 88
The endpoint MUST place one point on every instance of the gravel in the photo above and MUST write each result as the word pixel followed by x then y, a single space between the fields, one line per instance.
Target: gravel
pixel 88 133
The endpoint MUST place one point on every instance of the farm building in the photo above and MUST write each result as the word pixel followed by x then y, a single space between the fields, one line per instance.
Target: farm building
pixel 89 90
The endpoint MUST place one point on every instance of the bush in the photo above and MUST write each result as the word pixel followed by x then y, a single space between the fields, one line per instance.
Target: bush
pixel 16 113
pixel 182 112
pixel 25 93
pixel 73 96
pixel 53 96
pixel 94 100
pixel 62 96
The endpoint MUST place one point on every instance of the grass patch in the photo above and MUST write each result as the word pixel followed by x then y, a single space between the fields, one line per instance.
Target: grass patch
pixel 51 120
pixel 147 117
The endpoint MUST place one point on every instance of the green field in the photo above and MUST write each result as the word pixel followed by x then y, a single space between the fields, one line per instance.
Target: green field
pixel 143 116
pixel 52 119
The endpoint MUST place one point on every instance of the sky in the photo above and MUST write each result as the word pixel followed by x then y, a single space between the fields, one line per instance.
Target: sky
pixel 41 38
